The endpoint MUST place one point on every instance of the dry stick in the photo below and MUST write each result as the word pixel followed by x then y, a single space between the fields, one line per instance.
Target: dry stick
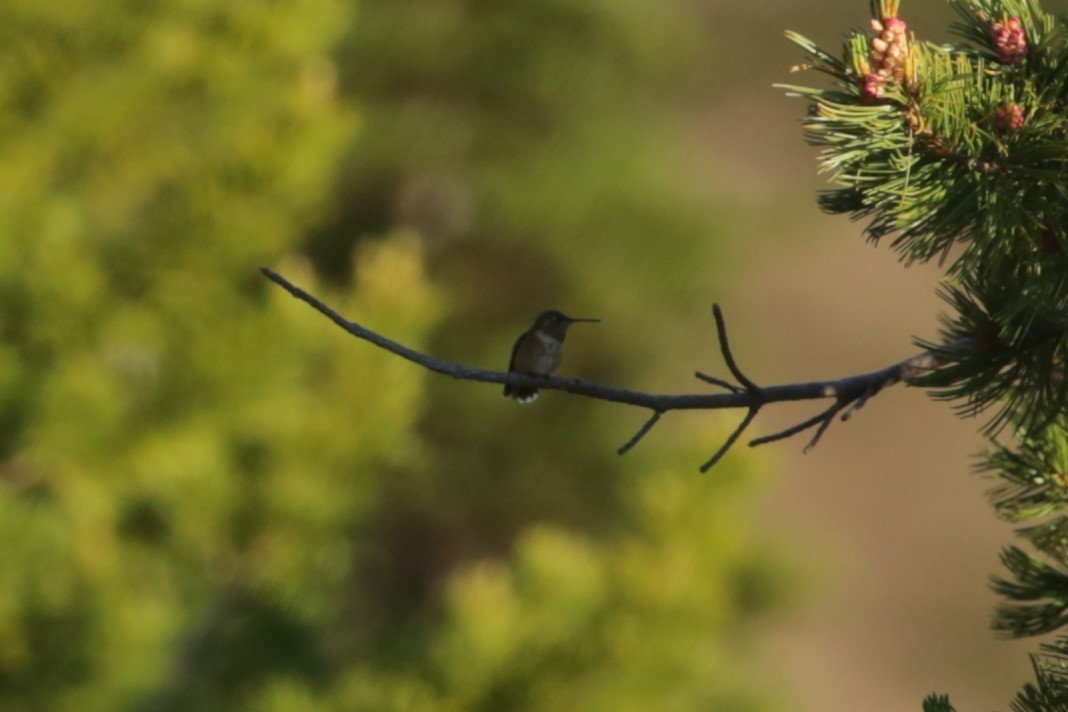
pixel 804 425
pixel 853 390
pixel 728 357
pixel 732 439
pixel 750 388
pixel 641 433
pixel 717 382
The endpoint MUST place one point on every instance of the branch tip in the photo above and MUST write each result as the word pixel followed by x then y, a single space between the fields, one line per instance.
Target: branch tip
pixel 728 357
pixel 717 382
pixel 625 448
pixel 819 434
pixel 753 410
pixel 823 416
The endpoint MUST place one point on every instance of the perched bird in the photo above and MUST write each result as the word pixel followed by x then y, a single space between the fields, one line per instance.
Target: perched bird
pixel 537 352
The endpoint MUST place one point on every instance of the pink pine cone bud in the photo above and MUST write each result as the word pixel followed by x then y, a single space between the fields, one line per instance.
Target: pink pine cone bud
pixel 1010 118
pixel 896 25
pixel 1010 39
pixel 872 89
pixel 889 50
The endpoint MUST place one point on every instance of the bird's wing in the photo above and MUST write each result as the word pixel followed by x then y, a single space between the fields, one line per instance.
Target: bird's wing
pixel 515 349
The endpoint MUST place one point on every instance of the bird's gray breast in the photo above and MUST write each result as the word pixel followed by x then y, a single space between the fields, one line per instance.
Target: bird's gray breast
pixel 548 358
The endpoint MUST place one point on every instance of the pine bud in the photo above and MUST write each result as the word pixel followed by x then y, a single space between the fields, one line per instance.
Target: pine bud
pixel 872 89
pixel 1010 40
pixel 1010 118
pixel 896 25
pixel 889 49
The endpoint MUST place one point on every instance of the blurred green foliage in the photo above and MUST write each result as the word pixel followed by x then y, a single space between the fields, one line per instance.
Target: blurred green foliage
pixel 212 499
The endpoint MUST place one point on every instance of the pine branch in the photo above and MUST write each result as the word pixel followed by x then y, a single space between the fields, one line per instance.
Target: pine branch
pixel 959 152
pixel 937 703
pixel 1039 596
pixel 849 394
pixel 1049 692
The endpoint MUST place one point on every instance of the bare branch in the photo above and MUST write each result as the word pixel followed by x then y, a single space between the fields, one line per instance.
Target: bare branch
pixel 853 390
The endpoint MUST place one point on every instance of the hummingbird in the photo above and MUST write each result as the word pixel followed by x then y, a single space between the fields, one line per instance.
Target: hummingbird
pixel 538 351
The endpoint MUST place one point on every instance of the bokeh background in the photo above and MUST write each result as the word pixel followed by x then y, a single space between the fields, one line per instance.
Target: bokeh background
pixel 213 499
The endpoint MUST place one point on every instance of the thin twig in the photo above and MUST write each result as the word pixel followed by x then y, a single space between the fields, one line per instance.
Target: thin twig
pixel 800 427
pixel 854 389
pixel 828 418
pixel 860 403
pixel 724 346
pixel 732 439
pixel 641 433
pixel 718 382
pixel 755 392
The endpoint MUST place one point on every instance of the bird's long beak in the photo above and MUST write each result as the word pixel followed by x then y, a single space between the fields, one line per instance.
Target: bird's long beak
pixel 571 320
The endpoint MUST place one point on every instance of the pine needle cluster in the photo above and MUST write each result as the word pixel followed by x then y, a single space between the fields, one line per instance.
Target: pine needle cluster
pixel 959 153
